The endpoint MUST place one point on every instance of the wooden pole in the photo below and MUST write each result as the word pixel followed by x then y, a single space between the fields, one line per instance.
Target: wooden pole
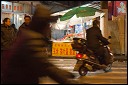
pixel 104 20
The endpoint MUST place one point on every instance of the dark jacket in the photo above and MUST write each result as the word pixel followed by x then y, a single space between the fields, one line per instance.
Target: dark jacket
pixel 13 25
pixel 93 37
pixel 7 37
pixel 28 60
pixel 23 26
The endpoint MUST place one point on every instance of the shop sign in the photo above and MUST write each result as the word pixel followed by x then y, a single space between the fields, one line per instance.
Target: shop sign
pixel 6 6
pixel 119 8
pixel 17 7
pixel 62 49
pixel 27 8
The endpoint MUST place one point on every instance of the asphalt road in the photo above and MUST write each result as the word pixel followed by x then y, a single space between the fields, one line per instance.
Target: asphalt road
pixel 118 75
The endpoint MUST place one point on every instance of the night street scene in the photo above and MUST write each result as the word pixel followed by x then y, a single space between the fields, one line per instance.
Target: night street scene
pixel 63 42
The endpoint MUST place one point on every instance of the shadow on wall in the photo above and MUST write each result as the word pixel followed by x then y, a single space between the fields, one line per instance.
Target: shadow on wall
pixel 115 41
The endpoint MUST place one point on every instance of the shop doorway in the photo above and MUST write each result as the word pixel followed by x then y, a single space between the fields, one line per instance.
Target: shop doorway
pixel 18 20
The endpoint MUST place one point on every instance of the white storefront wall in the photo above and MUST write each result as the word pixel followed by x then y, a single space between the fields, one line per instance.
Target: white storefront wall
pixel 6 10
pixel 17 11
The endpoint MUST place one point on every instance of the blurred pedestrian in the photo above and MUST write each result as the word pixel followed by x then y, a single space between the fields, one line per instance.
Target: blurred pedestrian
pixel 7 35
pixel 7 38
pixel 25 25
pixel 29 58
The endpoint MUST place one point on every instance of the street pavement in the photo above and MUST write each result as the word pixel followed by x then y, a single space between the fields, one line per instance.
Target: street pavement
pixel 120 57
pixel 118 75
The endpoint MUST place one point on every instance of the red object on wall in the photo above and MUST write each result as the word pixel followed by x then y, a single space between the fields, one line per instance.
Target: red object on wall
pixel 70 26
pixel 2 6
pixel 20 8
pixel 6 6
pixel 14 7
pixel 110 10
pixel 119 8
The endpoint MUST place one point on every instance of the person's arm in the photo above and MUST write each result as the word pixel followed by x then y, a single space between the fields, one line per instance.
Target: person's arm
pixel 19 30
pixel 3 40
pixel 40 62
pixel 101 38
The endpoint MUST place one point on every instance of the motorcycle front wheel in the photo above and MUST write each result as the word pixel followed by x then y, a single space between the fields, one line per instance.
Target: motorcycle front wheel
pixel 108 68
pixel 83 71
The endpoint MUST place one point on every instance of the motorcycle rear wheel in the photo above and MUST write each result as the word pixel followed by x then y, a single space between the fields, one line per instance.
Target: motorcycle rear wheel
pixel 83 71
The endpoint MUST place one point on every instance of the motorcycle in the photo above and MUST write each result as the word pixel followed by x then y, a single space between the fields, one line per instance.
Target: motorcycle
pixel 88 61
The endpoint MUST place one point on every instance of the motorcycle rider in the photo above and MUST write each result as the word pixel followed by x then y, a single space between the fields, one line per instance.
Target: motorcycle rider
pixel 94 39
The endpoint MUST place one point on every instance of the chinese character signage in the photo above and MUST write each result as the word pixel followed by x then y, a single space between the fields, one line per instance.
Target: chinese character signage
pixel 62 49
pixel 17 7
pixel 6 6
